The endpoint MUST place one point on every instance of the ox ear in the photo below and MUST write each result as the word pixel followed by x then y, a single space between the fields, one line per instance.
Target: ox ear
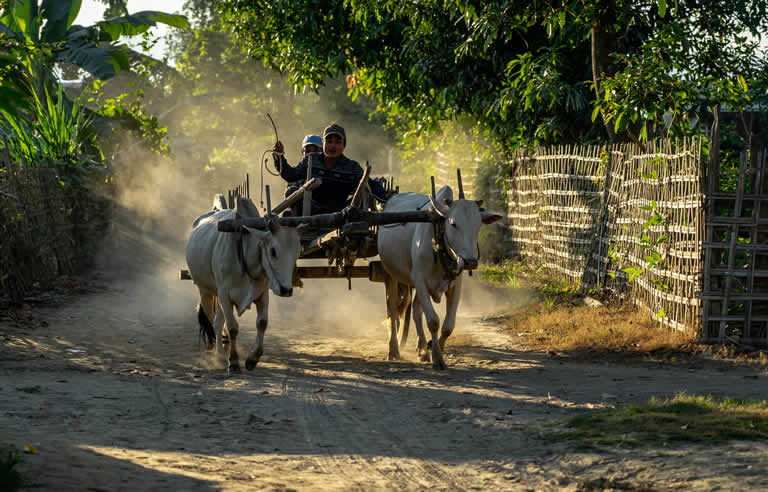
pixel 479 203
pixel 445 195
pixel 440 208
pixel 490 217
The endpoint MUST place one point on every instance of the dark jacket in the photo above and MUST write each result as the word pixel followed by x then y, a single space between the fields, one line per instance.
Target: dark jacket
pixel 339 182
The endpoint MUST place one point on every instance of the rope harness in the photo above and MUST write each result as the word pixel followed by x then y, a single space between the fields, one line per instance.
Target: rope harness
pixel 442 251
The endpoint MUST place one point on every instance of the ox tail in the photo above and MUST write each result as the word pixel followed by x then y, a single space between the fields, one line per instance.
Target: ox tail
pixel 206 328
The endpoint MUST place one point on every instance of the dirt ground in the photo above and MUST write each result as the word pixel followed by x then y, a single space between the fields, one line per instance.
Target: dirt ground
pixel 111 388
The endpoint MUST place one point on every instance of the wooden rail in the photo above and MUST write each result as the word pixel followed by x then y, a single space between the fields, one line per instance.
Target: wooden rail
pixel 335 220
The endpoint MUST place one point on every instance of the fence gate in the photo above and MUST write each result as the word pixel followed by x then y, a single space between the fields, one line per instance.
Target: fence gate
pixel 735 291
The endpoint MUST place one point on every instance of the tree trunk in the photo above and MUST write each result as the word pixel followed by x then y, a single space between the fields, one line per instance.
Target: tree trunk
pixel 603 44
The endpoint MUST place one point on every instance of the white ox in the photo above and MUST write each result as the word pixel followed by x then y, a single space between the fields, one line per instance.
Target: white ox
pixel 237 280
pixel 408 256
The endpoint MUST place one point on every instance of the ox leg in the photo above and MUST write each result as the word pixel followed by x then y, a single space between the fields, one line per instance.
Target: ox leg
pixel 232 328
pixel 452 296
pixel 221 335
pixel 418 321
pixel 394 319
pixel 404 311
pixel 208 307
pixel 433 323
pixel 262 307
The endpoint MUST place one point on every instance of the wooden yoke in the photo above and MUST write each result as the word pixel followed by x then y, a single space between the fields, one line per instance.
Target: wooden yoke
pixel 335 220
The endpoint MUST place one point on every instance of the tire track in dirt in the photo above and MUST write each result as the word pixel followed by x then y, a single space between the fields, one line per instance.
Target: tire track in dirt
pixel 353 415
pixel 357 423
pixel 422 468
pixel 300 392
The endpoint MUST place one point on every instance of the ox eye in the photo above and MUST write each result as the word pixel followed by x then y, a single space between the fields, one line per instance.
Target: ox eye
pixel 273 252
pixel 452 222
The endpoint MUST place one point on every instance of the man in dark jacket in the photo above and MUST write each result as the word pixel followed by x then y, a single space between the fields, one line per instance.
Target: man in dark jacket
pixel 340 174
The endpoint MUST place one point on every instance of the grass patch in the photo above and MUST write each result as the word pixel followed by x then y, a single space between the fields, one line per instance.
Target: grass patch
pixel 680 420
pixel 559 322
pixel 10 479
pixel 586 331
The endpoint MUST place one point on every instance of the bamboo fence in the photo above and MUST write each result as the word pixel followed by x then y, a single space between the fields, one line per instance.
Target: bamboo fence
pixel 46 232
pixel 582 213
pixel 735 290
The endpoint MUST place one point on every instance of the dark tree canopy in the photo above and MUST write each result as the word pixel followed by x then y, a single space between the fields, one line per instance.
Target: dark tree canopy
pixel 527 72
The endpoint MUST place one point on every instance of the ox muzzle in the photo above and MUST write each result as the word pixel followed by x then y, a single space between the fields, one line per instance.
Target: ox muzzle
pixel 285 291
pixel 467 263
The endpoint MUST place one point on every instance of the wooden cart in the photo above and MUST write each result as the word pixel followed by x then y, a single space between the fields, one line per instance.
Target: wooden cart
pixel 341 238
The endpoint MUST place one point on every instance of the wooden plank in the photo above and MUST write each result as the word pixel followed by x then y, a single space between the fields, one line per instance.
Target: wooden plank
pixel 732 249
pixel 747 333
pixel 296 195
pixel 741 273
pixel 333 272
pixel 738 246
pixel 307 205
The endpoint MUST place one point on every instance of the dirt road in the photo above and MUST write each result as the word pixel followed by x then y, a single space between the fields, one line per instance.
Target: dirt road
pixel 112 390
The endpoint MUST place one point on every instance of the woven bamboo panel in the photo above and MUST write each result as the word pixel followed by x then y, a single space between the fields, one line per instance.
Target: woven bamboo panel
pixel 36 226
pixel 580 211
pixel 735 290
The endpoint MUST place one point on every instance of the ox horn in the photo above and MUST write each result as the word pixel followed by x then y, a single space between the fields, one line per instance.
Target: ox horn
pixel 432 179
pixel 269 201
pixel 461 185
pixel 433 200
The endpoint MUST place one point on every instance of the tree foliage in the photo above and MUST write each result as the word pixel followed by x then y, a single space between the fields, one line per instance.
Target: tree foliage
pixel 37 39
pixel 528 72
pixel 220 96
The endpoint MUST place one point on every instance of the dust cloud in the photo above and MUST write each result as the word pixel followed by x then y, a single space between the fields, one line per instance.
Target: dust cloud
pixel 158 198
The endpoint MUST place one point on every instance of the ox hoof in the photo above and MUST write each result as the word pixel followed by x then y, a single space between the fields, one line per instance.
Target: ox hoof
pixel 393 357
pixel 439 365
pixel 251 364
pixel 234 368
pixel 424 356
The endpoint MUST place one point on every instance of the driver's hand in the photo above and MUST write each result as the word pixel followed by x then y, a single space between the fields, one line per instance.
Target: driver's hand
pixel 277 149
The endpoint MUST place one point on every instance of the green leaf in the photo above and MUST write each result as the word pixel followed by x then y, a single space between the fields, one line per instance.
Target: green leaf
pixel 655 220
pixel 632 272
pixel 662 8
pixel 742 83
pixel 595 113
pixel 20 14
pixel 140 22
pixel 660 314
pixel 59 15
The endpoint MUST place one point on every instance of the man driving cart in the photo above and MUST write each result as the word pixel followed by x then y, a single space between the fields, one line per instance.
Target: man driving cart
pixel 340 175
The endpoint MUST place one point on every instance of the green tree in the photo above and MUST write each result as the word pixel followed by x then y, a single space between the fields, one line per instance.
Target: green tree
pixel 528 72
pixel 219 98
pixel 35 38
